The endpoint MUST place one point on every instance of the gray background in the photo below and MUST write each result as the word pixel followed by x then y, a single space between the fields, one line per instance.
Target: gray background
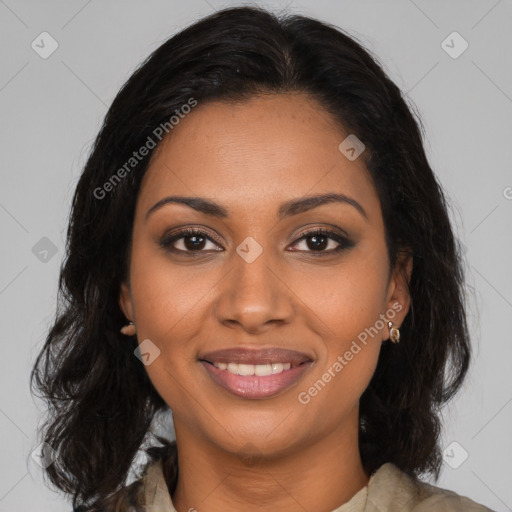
pixel 52 109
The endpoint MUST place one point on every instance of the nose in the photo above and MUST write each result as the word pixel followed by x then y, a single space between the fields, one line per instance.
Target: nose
pixel 253 296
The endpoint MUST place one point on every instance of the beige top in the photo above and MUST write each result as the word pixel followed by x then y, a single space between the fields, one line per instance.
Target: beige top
pixel 389 490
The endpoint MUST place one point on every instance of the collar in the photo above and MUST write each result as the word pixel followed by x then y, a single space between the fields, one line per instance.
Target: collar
pixel 388 488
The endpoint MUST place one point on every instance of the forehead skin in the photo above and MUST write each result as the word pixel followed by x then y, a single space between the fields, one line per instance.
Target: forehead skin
pixel 252 155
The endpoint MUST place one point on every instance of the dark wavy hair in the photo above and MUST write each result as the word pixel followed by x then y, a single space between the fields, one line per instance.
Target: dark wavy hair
pixel 101 403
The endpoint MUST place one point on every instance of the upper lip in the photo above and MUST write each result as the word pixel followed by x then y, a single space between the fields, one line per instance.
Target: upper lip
pixel 256 356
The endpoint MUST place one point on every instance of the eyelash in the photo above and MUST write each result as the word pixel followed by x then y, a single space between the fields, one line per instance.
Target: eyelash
pixel 344 243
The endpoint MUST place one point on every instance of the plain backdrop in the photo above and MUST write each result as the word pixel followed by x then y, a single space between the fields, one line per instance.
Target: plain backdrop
pixel 52 108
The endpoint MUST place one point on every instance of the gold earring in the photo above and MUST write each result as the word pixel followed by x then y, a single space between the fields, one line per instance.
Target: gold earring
pixel 394 333
pixel 128 329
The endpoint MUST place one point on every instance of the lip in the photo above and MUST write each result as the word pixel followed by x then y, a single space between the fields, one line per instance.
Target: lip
pixel 253 386
pixel 256 356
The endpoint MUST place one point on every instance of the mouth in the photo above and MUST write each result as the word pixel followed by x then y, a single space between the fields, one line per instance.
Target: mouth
pixel 251 373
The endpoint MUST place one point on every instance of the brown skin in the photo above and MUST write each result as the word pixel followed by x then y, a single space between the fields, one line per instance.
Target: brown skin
pixel 274 453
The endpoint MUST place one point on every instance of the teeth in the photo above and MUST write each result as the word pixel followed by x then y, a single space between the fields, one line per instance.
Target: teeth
pixel 245 369
pixel 277 368
pixel 261 370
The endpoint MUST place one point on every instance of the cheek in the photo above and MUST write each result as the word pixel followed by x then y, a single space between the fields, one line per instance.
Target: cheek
pixel 348 299
pixel 168 297
pixel 346 305
pixel 172 306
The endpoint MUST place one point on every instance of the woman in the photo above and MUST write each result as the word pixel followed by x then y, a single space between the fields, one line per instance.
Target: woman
pixel 258 244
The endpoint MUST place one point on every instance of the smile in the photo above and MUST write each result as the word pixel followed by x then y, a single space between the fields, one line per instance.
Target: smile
pixel 255 374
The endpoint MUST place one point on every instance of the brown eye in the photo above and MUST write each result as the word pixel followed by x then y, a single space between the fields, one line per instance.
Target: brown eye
pixel 189 240
pixel 322 242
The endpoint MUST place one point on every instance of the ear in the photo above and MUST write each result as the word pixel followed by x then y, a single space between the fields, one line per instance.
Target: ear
pixel 399 298
pixel 125 301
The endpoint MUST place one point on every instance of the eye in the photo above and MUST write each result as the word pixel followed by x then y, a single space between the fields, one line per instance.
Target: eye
pixel 318 242
pixel 322 242
pixel 189 240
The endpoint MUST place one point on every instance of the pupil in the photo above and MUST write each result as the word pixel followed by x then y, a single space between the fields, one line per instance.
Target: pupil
pixel 316 244
pixel 194 245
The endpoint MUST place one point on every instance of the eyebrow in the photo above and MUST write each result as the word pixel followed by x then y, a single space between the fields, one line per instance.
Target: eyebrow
pixel 287 209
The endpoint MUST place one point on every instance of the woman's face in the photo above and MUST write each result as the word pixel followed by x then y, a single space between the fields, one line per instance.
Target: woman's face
pixel 300 317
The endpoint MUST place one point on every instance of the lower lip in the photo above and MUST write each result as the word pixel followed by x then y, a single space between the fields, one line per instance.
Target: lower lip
pixel 253 386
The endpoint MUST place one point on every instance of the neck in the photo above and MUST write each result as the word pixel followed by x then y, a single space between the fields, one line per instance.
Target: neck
pixel 320 476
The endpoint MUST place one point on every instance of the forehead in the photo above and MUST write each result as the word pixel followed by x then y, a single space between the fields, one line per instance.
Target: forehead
pixel 269 147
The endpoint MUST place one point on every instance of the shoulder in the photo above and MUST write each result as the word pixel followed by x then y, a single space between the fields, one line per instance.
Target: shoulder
pixel 400 491
pixel 129 498
pixel 443 500
pixel 149 491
